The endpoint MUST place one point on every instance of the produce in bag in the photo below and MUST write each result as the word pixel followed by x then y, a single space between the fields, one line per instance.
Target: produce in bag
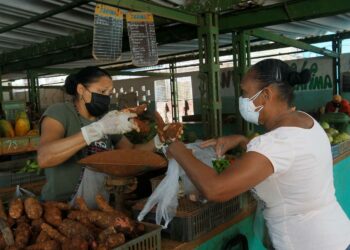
pixel 165 195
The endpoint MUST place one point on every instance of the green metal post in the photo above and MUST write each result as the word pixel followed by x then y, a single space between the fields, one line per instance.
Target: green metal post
pixel 336 46
pixel 241 63
pixel 33 85
pixel 174 93
pixel 209 67
pixel 1 88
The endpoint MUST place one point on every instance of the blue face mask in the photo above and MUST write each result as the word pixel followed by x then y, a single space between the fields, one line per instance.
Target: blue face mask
pixel 248 110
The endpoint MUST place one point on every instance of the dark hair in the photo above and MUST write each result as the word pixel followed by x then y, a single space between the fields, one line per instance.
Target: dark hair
pixel 85 76
pixel 274 71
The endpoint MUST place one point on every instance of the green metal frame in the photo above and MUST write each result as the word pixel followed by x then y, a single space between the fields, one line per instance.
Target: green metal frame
pixel 44 15
pixel 241 63
pixel 291 42
pixel 337 47
pixel 289 11
pixel 174 93
pixel 208 34
pixel 33 90
pixel 157 9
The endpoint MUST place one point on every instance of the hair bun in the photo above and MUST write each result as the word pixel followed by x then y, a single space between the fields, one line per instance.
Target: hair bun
pixel 70 84
pixel 295 78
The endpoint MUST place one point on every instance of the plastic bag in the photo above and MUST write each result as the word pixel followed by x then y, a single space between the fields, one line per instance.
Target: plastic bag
pixel 21 192
pixel 165 195
pixel 92 183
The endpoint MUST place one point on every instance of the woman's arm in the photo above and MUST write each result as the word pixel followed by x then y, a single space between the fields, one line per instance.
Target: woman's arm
pixel 246 173
pixel 124 143
pixel 54 149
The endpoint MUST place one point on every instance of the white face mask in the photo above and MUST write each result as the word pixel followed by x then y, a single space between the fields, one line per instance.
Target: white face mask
pixel 248 110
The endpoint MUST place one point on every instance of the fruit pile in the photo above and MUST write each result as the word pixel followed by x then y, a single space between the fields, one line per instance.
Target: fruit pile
pixel 21 127
pixel 334 136
pixel 51 225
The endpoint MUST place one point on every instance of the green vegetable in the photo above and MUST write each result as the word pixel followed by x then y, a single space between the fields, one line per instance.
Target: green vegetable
pixel 220 165
pixel 30 167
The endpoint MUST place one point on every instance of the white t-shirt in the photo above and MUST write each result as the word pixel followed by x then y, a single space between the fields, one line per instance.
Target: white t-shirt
pixel 300 207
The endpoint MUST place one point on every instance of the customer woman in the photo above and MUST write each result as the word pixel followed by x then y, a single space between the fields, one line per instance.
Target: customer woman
pixel 73 130
pixel 290 168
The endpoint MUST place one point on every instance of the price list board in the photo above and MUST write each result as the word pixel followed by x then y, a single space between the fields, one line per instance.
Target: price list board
pixel 142 38
pixel 108 33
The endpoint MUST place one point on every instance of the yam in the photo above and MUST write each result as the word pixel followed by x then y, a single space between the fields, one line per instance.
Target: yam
pixel 60 205
pixel 22 235
pixel 16 208
pixel 36 224
pixel 42 237
pixel 75 243
pixel 33 208
pixel 81 204
pixel 47 245
pixel 53 233
pixel 115 240
pixel 72 229
pixel 53 215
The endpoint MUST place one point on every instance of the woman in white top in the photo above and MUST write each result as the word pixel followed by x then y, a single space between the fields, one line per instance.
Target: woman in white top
pixel 290 167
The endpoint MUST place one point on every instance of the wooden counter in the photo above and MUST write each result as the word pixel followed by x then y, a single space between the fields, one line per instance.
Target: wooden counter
pixel 7 193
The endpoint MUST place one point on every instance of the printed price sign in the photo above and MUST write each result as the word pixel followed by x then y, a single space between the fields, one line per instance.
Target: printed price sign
pixel 108 33
pixel 142 38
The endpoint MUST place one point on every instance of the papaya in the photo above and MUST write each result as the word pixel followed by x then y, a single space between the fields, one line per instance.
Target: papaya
pixel 6 129
pixel 22 125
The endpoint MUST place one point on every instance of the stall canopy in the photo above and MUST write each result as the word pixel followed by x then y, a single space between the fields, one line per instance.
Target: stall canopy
pixel 58 33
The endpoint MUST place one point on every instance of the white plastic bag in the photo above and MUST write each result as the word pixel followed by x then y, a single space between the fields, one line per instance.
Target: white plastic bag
pixel 92 183
pixel 165 195
pixel 21 192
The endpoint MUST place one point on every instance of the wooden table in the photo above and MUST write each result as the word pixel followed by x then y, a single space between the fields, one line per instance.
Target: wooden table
pixel 176 245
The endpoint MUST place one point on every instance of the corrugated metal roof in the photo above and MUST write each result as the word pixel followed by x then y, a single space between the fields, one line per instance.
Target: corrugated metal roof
pixel 81 18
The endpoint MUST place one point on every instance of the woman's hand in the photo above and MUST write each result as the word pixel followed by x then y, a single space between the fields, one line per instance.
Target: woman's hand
pixel 224 144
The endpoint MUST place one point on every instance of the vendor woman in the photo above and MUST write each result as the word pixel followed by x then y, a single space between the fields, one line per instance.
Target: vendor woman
pixel 73 130
pixel 290 168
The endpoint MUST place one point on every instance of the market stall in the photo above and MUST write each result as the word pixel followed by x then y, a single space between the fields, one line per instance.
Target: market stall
pixel 155 40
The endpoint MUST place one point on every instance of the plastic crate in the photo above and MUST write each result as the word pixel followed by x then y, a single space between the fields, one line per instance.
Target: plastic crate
pixel 335 151
pixel 11 108
pixel 193 219
pixel 151 240
pixel 8 179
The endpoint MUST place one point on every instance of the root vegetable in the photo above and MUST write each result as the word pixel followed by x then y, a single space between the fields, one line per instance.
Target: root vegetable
pixel 2 242
pixel 42 237
pixel 59 205
pixel 80 202
pixel 71 229
pixel 76 243
pixel 53 233
pixel 105 220
pixel 53 215
pixel 103 204
pixel 16 208
pixel 22 235
pixel 114 240
pixel 81 216
pixel 36 224
pixel 22 219
pixel 33 208
pixel 102 237
pixel 47 245
pixel 6 232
